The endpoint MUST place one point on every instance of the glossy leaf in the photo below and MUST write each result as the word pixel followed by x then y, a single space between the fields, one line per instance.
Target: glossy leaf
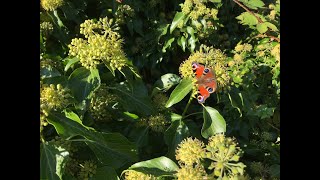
pixel 176 20
pixel 167 44
pixel 52 161
pixel 105 172
pixel 70 62
pixel 165 83
pixel 182 89
pixel 262 28
pixel 174 135
pixel 111 149
pixel 83 82
pixel 158 167
pixel 213 122
pixel 247 19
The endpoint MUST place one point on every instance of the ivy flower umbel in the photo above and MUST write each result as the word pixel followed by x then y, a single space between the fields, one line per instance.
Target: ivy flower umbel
pixel 123 12
pixel 225 154
pixel 53 97
pixel 191 173
pixel 51 5
pixel 157 122
pixel 197 9
pixel 135 175
pixel 102 45
pixel 190 151
pixel 100 102
pixel 87 169
pixel 46 28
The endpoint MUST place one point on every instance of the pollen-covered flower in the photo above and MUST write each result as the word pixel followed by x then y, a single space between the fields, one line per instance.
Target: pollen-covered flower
pixel 72 166
pixel 135 175
pixel 53 97
pixel 103 45
pixel 87 169
pixel 100 104
pixel 238 58
pixel 157 122
pixel 46 28
pixel 198 9
pixel 160 100
pixel 239 48
pixel 51 5
pixel 191 173
pixel 224 150
pixel 276 52
pixel 190 151
pixel 124 12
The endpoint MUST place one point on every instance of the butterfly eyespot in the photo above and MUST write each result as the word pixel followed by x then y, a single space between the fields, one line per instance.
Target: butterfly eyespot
pixel 210 90
pixel 200 99
pixel 205 71
pixel 194 66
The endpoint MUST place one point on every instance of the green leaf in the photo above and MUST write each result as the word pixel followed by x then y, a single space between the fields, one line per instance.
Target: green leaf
pixel 271 26
pixel 262 28
pixel 213 122
pixel 49 72
pixel 235 101
pixel 104 172
pixel 137 26
pixel 176 20
pixel 183 43
pixel 135 99
pixel 215 1
pixel 183 88
pixel 174 135
pixel 70 62
pixel 165 83
pixel 83 82
pixel 163 29
pixel 139 135
pixel 247 18
pixel 192 42
pixel 175 117
pixel 254 4
pixel 52 161
pixel 167 44
pixel 111 149
pixel 161 166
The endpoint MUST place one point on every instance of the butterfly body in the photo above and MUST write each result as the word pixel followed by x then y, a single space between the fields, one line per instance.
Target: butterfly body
pixel 206 81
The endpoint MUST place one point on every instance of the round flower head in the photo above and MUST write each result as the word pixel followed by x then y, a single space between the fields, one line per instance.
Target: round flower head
pixel 157 122
pixel 87 169
pixel 135 175
pixel 223 150
pixel 190 151
pixel 102 45
pixel 51 5
pixel 123 12
pixel 46 28
pixel 100 102
pixel 160 100
pixel 191 173
pixel 53 97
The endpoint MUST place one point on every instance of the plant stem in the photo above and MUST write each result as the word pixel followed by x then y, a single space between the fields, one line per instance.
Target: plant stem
pixel 245 8
pixel 193 114
pixel 185 109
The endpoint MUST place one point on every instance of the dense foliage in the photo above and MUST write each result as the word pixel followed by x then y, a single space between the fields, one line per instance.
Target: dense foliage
pixel 119 95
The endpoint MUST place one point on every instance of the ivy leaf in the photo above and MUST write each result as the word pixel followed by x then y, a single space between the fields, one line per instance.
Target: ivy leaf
pixel 271 26
pixel 183 88
pixel 161 166
pixel 163 29
pixel 247 18
pixel 165 83
pixel 49 72
pixel 176 20
pixel 70 62
pixel 213 122
pixel 137 26
pixel 192 42
pixel 167 44
pixel 262 28
pixel 253 4
pixel 52 161
pixel 83 82
pixel 111 149
pixel 174 135
pixel 275 170
pixel 183 43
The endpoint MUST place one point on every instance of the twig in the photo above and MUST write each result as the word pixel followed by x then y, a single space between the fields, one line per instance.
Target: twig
pixel 245 8
pixel 264 35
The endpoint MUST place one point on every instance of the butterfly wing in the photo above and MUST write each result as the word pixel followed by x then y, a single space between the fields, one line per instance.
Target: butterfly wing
pixel 206 81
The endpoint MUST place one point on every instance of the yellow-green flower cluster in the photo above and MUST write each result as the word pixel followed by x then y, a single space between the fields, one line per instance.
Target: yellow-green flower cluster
pixel 51 5
pixel 190 151
pixel 46 28
pixel 241 50
pixel 87 169
pixel 123 12
pixel 210 57
pixel 102 44
pixel 73 166
pixel 191 173
pixel 135 175
pixel 53 97
pixel 157 122
pixel 275 10
pixel 276 52
pixel 100 102
pixel 43 121
pixel 196 9
pixel 225 154
pixel 160 100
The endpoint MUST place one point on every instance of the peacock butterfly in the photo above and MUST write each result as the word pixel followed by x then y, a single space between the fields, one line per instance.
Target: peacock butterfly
pixel 206 81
